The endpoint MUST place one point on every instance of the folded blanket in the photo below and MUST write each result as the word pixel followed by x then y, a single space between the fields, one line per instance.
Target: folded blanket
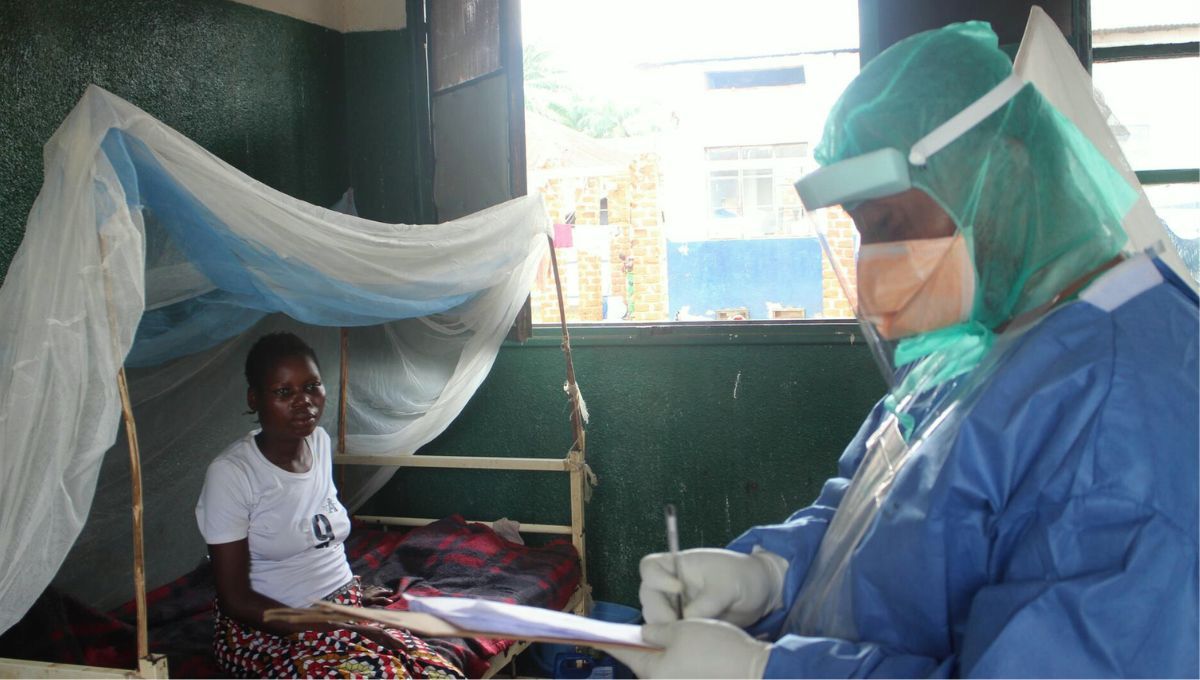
pixel 452 557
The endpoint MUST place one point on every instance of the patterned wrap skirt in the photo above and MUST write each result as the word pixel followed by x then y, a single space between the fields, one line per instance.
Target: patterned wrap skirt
pixel 246 652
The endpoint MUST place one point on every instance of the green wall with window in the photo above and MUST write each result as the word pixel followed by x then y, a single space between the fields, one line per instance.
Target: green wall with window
pixel 735 425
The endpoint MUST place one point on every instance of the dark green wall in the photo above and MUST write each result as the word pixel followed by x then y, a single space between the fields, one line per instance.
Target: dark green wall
pixel 261 91
pixel 735 427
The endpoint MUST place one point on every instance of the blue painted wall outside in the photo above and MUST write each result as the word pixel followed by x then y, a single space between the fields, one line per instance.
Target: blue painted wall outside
pixel 711 275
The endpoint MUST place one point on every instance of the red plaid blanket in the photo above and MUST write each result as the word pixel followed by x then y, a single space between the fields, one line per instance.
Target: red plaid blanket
pixel 448 557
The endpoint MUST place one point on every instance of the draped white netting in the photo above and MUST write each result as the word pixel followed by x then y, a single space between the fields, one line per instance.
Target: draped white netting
pixel 144 249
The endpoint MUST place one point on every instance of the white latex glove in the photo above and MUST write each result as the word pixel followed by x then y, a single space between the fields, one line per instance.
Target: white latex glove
pixel 696 648
pixel 716 584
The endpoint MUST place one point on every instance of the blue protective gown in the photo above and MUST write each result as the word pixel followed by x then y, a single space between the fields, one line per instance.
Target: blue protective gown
pixel 1056 536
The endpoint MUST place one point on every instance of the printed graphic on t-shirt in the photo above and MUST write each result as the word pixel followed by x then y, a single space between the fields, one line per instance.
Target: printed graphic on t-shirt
pixel 323 530
pixel 322 526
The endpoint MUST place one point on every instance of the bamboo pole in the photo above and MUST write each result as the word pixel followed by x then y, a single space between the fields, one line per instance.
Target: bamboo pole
pixel 135 473
pixel 139 549
pixel 576 416
pixel 576 458
pixel 578 480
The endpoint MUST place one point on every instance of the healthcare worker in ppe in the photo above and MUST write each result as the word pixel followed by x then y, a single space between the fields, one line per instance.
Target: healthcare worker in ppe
pixel 1023 502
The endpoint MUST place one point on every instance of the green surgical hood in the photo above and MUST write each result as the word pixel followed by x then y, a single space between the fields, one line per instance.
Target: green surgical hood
pixel 1038 204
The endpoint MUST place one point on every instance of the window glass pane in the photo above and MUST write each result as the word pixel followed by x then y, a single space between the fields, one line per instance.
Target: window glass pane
pixel 791 150
pixel 776 77
pixel 1125 22
pixel 756 152
pixel 723 192
pixel 465 41
pixel 1178 206
pixel 728 153
pixel 763 196
pixel 1155 108
pixel 756 201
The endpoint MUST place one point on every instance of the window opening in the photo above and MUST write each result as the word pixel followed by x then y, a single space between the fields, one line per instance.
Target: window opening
pixel 1146 62
pixel 676 151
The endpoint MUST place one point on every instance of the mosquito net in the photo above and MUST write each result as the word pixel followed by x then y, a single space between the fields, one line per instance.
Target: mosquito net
pixel 144 250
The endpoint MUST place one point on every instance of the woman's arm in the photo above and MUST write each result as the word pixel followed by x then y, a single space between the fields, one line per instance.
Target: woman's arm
pixel 231 567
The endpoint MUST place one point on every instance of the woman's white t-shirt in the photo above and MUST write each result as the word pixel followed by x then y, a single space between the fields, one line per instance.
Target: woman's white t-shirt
pixel 294 521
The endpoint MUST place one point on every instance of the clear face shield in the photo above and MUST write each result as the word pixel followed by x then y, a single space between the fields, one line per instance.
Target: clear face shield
pixel 898 278
pixel 840 244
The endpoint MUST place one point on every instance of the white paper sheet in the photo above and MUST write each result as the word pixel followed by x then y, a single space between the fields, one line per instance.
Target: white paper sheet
pixel 522 622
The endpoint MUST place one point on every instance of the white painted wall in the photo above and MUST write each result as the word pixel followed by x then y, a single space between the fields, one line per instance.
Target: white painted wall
pixel 344 16
pixel 704 118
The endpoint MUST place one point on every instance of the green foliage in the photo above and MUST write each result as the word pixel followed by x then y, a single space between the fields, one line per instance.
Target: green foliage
pixel 599 118
pixel 549 93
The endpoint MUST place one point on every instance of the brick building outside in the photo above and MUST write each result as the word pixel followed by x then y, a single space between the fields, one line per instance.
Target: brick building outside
pixel 698 221
pixel 602 196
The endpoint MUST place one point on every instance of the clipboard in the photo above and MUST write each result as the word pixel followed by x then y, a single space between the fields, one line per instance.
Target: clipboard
pixel 474 618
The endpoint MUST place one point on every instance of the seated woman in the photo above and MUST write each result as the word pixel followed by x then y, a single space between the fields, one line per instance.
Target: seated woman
pixel 270 514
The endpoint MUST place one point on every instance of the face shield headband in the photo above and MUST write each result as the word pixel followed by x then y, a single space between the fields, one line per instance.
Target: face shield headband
pixel 886 171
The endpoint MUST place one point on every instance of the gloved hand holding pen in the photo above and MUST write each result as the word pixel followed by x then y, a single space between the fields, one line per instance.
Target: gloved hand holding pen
pixel 697 648
pixel 719 584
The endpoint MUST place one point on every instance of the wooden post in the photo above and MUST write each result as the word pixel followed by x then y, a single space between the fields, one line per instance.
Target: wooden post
pixel 139 550
pixel 153 666
pixel 135 477
pixel 578 533
pixel 577 456
pixel 576 415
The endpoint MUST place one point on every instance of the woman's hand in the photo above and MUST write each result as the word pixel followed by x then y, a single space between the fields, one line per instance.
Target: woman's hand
pixel 377 635
pixel 377 596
